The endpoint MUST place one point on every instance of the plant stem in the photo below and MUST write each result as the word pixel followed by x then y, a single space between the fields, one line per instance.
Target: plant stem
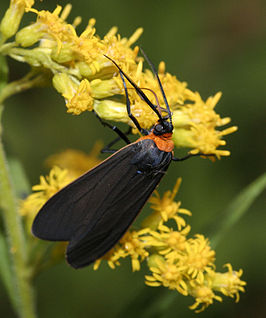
pixel 30 80
pixel 23 290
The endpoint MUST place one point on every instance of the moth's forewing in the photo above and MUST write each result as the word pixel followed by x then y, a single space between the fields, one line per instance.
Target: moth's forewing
pixel 94 211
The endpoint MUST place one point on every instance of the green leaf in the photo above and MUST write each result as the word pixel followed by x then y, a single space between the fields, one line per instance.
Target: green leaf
pixel 3 72
pixel 235 210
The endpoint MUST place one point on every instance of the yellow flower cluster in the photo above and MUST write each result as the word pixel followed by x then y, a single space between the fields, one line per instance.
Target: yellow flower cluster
pixel 89 81
pixel 176 261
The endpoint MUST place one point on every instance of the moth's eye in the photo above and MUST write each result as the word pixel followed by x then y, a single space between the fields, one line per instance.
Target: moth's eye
pixel 159 128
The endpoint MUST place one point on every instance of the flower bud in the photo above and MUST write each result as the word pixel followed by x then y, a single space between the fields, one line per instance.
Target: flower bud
pixel 102 89
pixel 29 35
pixel 64 55
pixel 11 20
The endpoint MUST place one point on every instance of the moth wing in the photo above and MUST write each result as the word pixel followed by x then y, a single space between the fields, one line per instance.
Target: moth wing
pixel 82 201
pixel 118 211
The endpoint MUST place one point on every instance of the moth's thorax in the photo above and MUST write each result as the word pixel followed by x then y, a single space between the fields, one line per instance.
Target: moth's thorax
pixel 164 142
pixel 149 159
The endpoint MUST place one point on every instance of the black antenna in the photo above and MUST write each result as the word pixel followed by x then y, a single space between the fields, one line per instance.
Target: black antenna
pixel 160 84
pixel 139 91
pixel 130 115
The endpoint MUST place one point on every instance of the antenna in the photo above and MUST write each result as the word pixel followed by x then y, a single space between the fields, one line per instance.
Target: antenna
pixel 139 91
pixel 160 84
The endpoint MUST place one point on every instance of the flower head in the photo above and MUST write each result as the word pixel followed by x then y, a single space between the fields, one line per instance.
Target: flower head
pixel 166 208
pixel 167 274
pixel 204 297
pixel 49 27
pixel 169 242
pixel 132 244
pixel 195 125
pixel 228 283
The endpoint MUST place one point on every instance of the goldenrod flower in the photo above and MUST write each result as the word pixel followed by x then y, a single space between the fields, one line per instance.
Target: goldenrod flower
pixel 204 296
pixel 167 274
pixel 195 125
pixel 198 258
pixel 78 95
pixel 168 241
pixel 167 208
pixel 228 283
pixel 49 27
pixel 132 244
pixel 112 257
pixel 89 81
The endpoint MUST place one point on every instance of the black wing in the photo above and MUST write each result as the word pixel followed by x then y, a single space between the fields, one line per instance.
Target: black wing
pixel 94 211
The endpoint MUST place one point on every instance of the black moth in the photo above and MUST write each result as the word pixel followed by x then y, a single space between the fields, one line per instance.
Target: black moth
pixel 94 211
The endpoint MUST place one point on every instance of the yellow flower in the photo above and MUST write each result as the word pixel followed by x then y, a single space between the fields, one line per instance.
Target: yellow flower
pixel 198 258
pixel 228 283
pixel 51 27
pixel 81 100
pixel 204 296
pixel 167 274
pixel 174 90
pixel 89 48
pixel 132 244
pixel 119 48
pixel 195 125
pixel 166 208
pixel 168 241
pixel 103 88
pixel 112 257
pixel 77 94
pixel 95 84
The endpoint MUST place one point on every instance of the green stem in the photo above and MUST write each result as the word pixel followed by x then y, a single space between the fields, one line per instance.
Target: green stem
pixel 22 288
pixel 28 81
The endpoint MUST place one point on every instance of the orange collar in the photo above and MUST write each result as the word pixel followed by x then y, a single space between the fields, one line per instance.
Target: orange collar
pixel 163 142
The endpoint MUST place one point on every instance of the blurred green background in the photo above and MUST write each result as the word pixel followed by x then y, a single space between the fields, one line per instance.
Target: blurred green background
pixel 214 46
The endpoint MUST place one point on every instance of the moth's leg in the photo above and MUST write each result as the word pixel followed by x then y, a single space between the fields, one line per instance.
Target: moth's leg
pixel 192 155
